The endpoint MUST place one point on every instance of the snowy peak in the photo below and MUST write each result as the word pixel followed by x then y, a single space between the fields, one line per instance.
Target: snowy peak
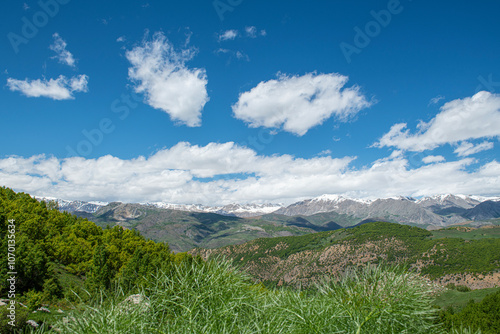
pixel 250 210
pixel 323 203
pixel 338 199
pixel 448 203
pixel 73 206
pixel 239 210
pixel 438 210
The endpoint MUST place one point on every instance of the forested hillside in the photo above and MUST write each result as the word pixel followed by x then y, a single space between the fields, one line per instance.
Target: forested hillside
pixel 57 253
pixel 444 258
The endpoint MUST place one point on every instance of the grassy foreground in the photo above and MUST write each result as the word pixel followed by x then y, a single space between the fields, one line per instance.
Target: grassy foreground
pixel 213 297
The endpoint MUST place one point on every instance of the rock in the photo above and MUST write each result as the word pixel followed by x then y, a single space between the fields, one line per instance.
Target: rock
pixel 67 320
pixel 43 309
pixel 32 323
pixel 136 300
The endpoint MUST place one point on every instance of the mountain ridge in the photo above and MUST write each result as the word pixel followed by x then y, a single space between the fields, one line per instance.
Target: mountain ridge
pixel 325 203
pixel 197 226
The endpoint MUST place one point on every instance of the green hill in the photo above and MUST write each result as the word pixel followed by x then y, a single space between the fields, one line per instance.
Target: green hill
pixel 184 230
pixel 56 254
pixel 445 256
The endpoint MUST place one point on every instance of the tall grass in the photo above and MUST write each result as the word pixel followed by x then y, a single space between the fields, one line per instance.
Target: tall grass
pixel 213 297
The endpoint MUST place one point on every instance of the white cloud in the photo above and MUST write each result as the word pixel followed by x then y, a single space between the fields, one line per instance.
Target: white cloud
pixel 62 55
pixel 298 103
pixel 324 153
pixel 241 55
pixel 433 158
pixel 61 88
pixel 228 35
pixel 459 120
pixel 160 72
pixel 435 100
pixel 121 39
pixel 172 175
pixel 251 31
pixel 233 54
pixel 466 148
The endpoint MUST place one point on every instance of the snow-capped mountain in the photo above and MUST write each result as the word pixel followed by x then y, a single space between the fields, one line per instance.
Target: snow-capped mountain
pixel 239 210
pixel 439 210
pixel 73 206
pixel 448 204
pixel 324 203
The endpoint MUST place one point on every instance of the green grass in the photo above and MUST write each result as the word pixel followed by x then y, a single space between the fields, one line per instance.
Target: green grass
pixel 214 297
pixel 475 234
pixel 458 299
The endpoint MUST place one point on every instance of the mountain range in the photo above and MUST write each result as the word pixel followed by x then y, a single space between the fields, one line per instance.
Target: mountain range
pixel 188 226
pixel 439 210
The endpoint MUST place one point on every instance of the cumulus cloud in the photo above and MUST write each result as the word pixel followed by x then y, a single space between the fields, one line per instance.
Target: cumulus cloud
pixel 61 88
pixel 298 103
pixel 459 120
pixel 187 173
pixel 466 148
pixel 161 74
pixel 433 158
pixel 228 35
pixel 62 55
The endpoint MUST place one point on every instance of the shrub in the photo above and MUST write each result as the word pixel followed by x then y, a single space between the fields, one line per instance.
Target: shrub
pixel 381 299
pixel 19 322
pixel 33 299
pixel 462 288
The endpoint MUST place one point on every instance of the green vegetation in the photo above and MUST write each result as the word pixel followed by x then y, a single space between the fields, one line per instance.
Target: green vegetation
pixel 483 315
pixel 70 263
pixel 458 300
pixel 186 230
pixel 396 243
pixel 57 254
pixel 215 298
pixel 467 233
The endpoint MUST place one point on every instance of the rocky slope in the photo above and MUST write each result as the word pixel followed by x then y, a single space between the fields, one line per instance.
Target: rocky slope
pixel 308 259
pixel 483 211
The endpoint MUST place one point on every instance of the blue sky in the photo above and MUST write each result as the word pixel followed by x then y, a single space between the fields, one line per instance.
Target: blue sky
pixel 216 102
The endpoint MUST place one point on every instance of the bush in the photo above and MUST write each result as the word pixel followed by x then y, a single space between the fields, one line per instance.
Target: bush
pixel 19 322
pixel 33 299
pixel 462 288
pixel 380 299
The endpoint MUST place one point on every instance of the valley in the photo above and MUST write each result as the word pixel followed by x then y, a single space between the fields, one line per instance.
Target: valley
pixel 188 226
